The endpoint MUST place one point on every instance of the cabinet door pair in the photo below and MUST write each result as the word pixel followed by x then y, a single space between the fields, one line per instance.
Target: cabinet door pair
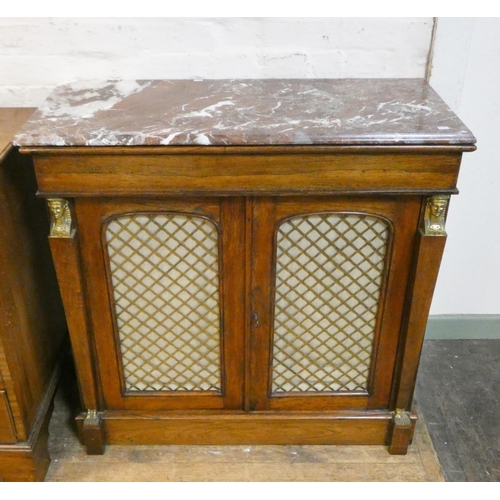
pixel 269 303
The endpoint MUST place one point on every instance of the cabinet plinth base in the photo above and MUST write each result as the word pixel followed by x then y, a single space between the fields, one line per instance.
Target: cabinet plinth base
pixel 218 428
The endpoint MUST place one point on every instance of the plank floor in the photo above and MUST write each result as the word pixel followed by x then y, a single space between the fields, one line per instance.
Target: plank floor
pixel 234 463
pixel 457 398
pixel 458 395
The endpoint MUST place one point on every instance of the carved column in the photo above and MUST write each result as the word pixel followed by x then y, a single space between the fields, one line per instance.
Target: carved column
pixel 429 247
pixel 64 246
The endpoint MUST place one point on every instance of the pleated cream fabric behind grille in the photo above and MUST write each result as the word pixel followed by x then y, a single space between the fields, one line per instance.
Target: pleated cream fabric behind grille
pixel 165 277
pixel 328 279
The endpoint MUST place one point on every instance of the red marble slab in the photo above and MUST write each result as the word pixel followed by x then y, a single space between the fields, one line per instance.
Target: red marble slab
pixel 245 112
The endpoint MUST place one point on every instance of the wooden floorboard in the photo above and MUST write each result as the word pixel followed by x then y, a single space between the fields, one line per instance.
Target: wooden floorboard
pixel 458 394
pixel 235 463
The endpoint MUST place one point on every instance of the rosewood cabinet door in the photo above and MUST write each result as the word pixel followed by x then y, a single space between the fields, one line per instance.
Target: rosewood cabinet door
pixel 329 278
pixel 166 294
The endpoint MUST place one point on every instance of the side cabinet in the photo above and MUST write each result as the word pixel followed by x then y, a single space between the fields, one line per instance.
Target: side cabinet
pixel 270 310
pixel 32 323
pixel 247 261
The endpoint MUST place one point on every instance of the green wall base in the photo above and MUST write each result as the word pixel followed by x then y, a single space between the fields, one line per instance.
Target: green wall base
pixel 466 326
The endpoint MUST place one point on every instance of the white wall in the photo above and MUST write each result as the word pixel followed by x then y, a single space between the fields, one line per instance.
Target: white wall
pixel 466 73
pixel 37 54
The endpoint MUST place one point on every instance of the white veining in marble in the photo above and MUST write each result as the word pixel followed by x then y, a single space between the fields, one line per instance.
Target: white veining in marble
pixel 244 112
pixel 84 99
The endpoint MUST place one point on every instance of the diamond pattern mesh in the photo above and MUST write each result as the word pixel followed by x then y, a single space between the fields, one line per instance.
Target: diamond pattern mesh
pixel 329 271
pixel 165 276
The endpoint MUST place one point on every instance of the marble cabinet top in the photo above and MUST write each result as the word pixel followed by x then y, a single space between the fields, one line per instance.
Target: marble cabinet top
pixel 244 112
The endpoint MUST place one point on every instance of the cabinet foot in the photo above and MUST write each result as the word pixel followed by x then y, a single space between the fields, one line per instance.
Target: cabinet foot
pixel 400 432
pixel 93 433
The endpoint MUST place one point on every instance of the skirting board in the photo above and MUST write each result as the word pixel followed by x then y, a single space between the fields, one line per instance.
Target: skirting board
pixel 463 326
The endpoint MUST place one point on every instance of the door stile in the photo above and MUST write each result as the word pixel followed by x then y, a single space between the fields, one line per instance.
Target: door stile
pixel 248 347
pixel 263 217
pixel 233 299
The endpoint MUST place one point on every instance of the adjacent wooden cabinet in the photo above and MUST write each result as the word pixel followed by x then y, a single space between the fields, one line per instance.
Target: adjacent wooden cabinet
pixel 32 324
pixel 244 291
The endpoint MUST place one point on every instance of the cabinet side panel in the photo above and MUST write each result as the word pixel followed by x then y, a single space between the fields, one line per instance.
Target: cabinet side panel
pixel 428 254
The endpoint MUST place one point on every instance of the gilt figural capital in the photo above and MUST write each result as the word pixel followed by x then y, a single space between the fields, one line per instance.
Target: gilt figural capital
pixel 435 215
pixel 60 218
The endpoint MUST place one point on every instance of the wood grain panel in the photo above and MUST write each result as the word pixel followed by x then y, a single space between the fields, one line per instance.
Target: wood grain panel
pixel 252 428
pixel 425 269
pixel 91 175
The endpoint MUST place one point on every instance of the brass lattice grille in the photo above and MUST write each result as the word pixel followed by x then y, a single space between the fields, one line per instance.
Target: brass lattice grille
pixel 328 277
pixel 165 276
